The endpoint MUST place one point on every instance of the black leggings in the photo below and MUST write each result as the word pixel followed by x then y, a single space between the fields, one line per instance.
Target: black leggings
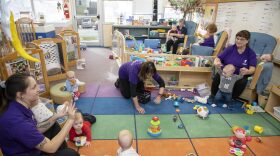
pixel 63 150
pixel 125 88
pixel 175 45
pixel 238 87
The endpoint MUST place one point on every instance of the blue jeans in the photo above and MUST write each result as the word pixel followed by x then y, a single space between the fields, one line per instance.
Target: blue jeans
pixel 222 97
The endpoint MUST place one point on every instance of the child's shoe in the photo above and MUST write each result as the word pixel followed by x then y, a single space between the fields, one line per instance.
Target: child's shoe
pixel 213 105
pixel 224 106
pixel 117 83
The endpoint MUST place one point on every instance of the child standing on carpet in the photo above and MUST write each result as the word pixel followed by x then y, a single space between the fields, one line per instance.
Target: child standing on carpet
pixel 82 127
pixel 125 141
pixel 227 81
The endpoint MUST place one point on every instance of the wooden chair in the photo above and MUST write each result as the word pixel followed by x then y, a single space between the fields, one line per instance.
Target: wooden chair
pixel 26 30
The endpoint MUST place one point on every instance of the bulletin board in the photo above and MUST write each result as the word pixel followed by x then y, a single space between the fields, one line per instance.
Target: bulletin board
pixel 254 16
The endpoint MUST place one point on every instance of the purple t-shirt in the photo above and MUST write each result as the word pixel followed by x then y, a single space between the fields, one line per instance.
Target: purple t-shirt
pixel 18 133
pixel 231 56
pixel 209 42
pixel 130 70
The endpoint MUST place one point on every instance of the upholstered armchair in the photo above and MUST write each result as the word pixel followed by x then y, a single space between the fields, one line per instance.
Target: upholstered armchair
pixel 261 43
pixel 222 38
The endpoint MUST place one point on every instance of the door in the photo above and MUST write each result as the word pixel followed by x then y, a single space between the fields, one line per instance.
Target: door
pixel 86 18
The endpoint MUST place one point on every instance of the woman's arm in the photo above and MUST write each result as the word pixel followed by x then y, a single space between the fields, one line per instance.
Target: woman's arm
pixel 51 146
pixel 217 62
pixel 44 126
pixel 137 106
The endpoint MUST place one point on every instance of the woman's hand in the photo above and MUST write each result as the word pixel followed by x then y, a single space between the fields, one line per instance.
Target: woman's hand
pixel 218 63
pixel 244 71
pixel 63 112
pixel 157 100
pixel 71 110
pixel 140 109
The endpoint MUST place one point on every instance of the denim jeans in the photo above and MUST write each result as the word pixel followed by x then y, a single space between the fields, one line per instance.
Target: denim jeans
pixel 222 97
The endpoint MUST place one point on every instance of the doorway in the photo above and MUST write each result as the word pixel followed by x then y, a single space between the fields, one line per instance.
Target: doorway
pixel 87 21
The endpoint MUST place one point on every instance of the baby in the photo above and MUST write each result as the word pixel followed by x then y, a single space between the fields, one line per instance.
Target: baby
pixel 72 85
pixel 80 128
pixel 173 30
pixel 227 81
pixel 125 141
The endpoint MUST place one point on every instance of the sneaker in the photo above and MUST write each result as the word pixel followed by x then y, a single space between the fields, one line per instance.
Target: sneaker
pixel 117 83
pixel 213 105
pixel 224 106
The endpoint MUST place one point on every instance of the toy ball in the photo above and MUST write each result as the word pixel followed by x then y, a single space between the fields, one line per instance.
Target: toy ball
pixel 254 103
pixel 176 104
pixel 259 139
pixel 177 110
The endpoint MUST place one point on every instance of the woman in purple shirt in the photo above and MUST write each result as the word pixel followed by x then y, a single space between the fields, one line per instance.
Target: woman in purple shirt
pixel 131 81
pixel 18 132
pixel 242 57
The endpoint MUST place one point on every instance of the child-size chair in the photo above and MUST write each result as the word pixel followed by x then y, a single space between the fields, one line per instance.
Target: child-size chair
pixel 261 43
pixel 222 38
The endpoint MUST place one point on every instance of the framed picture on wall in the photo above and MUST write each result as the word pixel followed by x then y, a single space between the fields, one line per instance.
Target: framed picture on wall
pixel 210 12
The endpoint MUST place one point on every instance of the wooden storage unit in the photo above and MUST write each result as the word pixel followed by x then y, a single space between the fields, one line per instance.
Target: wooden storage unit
pixel 12 63
pixel 187 77
pixel 107 34
pixel 61 47
pixel 72 41
pixel 273 101
pixel 142 31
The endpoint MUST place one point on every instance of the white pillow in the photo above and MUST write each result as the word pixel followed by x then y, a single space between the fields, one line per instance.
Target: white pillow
pixel 41 112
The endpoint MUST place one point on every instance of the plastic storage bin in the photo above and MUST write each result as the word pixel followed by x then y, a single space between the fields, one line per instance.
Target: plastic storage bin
pixel 277 112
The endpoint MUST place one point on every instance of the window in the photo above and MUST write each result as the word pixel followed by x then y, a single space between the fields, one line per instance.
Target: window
pixel 51 9
pixel 114 9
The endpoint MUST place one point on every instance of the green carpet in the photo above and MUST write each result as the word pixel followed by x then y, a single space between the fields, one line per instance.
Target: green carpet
pixel 251 121
pixel 108 126
pixel 168 127
pixel 213 126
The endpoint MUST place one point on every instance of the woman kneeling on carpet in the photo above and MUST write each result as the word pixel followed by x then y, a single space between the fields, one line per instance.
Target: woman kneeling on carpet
pixel 131 81
pixel 18 133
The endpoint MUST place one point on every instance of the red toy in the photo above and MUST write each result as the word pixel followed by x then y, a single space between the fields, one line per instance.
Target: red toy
pixel 240 139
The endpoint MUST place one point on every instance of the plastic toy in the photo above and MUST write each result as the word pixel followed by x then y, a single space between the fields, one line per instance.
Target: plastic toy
pixel 196 107
pixel 202 112
pixel 240 139
pixel 181 126
pixel 258 129
pixel 189 100
pixel 201 99
pixel 236 151
pixel 180 99
pixel 176 104
pixel 154 130
pixel 81 142
pixel 174 118
pixel 16 42
pixel 259 139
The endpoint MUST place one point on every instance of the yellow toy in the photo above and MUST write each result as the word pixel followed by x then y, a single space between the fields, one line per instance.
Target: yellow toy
pixel 16 42
pixel 258 129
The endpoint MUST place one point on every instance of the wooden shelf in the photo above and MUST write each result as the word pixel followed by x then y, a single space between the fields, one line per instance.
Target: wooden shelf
pixel 184 69
pixel 273 101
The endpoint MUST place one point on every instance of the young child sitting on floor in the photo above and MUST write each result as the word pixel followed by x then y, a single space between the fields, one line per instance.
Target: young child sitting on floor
pixel 82 127
pixel 227 81
pixel 208 38
pixel 173 30
pixel 72 85
pixel 125 141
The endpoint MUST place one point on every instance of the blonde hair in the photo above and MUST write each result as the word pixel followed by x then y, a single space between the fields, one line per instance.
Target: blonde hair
pixel 125 139
pixel 229 68
pixel 70 74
